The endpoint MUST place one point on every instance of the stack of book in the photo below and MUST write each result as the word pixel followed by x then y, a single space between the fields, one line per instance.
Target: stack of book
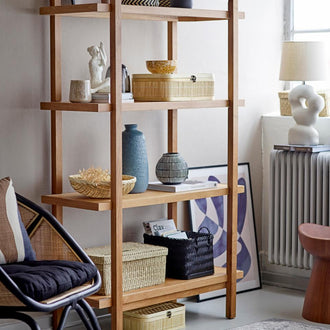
pixel 185 186
pixel 164 228
pixel 101 97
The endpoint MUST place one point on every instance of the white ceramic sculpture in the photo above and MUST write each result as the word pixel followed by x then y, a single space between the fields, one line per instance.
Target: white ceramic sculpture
pixel 96 68
pixel 305 116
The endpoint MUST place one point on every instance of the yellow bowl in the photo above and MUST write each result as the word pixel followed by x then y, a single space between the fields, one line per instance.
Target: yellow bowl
pixel 161 66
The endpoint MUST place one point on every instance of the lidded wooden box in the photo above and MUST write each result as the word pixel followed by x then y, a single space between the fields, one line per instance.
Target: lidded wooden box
pixel 143 265
pixel 169 315
pixel 172 87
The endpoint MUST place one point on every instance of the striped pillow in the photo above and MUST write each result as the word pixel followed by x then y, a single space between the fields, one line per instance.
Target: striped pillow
pixel 15 245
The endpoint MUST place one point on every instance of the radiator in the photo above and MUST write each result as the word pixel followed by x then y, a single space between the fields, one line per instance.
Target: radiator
pixel 299 193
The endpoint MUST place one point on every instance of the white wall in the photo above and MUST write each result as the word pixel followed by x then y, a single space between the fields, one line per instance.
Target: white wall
pixel 24 71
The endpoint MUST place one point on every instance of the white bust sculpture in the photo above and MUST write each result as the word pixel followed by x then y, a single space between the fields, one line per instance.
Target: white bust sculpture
pixel 96 68
pixel 304 132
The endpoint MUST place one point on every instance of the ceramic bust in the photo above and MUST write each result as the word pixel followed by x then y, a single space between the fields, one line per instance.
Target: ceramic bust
pixel 304 132
pixel 96 68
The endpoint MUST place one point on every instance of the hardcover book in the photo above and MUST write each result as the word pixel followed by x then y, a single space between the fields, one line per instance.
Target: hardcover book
pixel 302 148
pixel 185 186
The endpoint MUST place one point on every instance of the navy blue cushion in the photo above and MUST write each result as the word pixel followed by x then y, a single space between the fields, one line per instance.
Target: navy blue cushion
pixel 29 252
pixel 41 280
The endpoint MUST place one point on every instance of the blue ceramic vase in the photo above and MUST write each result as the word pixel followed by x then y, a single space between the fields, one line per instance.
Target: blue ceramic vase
pixel 135 159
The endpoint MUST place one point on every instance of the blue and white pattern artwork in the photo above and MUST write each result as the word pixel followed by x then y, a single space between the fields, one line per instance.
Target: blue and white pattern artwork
pixel 212 213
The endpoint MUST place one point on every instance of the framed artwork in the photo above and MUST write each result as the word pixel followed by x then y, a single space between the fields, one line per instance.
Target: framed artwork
pixel 212 213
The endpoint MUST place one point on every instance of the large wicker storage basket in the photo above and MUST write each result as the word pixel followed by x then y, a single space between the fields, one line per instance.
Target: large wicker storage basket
pixel 286 107
pixel 163 316
pixel 143 265
pixel 173 87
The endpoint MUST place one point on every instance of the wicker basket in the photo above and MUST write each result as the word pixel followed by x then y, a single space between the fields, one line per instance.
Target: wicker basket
pixel 169 315
pixel 286 107
pixel 99 190
pixel 141 2
pixel 187 258
pixel 164 3
pixel 143 265
pixel 173 87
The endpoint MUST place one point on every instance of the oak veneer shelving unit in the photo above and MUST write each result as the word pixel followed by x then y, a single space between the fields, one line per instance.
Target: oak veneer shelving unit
pixel 171 289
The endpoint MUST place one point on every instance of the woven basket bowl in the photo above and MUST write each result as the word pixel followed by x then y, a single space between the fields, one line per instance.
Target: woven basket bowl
pixel 161 66
pixel 99 190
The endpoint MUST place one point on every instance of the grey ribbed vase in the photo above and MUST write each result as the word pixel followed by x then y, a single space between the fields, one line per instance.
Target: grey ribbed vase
pixel 135 159
pixel 171 168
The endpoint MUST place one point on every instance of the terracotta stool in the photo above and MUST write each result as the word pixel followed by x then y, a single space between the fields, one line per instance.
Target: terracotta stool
pixel 316 240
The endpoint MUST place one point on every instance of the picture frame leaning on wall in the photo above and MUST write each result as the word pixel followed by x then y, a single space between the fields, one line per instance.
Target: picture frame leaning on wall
pixel 212 213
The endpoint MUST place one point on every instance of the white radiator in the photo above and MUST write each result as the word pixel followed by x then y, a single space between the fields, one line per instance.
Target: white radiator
pixel 299 192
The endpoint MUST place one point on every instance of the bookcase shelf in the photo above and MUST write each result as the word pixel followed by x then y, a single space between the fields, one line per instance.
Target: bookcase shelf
pixel 134 200
pixel 136 106
pixel 170 290
pixel 116 13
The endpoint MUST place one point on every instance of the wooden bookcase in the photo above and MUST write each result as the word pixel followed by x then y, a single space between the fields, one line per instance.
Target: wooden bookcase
pixel 171 289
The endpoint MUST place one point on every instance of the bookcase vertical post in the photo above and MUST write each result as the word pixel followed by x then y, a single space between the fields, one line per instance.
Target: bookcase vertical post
pixel 116 166
pixel 56 116
pixel 172 116
pixel 56 119
pixel 232 158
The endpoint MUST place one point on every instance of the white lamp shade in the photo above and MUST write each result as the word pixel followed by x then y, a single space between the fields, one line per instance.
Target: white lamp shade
pixel 303 61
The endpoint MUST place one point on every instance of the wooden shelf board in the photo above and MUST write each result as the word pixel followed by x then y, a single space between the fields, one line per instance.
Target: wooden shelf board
pixel 100 10
pixel 170 290
pixel 134 200
pixel 136 106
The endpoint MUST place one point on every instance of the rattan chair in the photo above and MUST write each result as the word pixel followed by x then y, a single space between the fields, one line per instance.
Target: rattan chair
pixel 50 242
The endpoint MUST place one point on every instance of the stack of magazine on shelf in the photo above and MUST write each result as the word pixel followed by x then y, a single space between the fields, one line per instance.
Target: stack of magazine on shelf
pixel 302 147
pixel 163 227
pixel 185 186
pixel 101 97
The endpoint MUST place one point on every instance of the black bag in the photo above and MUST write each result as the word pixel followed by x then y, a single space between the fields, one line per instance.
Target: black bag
pixel 187 258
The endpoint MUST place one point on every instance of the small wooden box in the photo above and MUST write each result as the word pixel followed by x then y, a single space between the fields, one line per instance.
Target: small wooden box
pixel 169 315
pixel 172 87
pixel 143 265
pixel 285 105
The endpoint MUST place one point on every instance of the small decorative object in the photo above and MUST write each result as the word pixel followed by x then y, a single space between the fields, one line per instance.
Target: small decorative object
pixel 96 183
pixel 171 168
pixel 304 61
pixel 140 2
pixel 135 158
pixel 96 68
pixel 211 213
pixel 181 3
pixel 161 66
pixel 80 91
pixel 126 82
pixel 304 132
pixel 164 3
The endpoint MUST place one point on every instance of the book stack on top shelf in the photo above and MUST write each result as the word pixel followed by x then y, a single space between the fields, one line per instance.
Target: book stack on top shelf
pixel 101 97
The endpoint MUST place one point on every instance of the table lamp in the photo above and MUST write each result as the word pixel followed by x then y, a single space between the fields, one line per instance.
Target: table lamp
pixel 304 61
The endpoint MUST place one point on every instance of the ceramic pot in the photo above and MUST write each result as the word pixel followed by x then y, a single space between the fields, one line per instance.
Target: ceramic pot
pixel 171 168
pixel 135 159
pixel 181 3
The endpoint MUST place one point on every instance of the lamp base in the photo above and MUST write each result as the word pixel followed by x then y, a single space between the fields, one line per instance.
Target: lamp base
pixel 305 116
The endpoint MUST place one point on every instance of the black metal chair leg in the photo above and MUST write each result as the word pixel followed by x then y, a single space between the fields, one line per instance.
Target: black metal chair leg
pixel 64 316
pixel 22 317
pixel 90 313
pixel 83 317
